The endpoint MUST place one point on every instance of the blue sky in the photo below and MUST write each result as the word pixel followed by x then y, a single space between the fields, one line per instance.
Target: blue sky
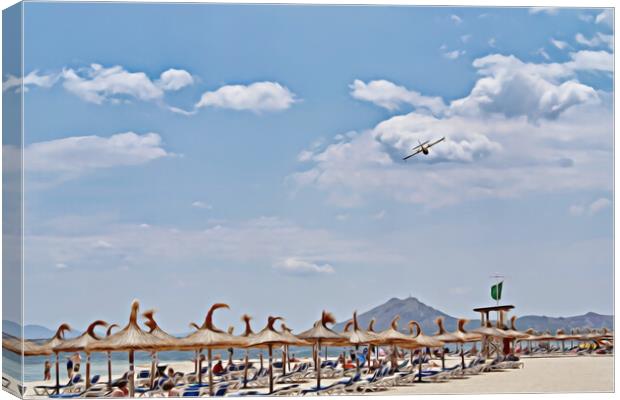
pixel 187 154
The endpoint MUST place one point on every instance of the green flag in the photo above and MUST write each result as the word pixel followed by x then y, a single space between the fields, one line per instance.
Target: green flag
pixel 496 291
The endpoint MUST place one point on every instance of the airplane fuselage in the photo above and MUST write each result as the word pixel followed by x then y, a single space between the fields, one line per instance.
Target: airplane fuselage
pixel 425 150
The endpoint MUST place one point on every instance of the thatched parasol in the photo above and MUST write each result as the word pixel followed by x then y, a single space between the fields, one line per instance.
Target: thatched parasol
pixel 269 337
pixel 209 337
pixel 130 339
pixel 81 343
pixel 358 336
pixel 25 347
pixel 321 334
pixel 459 336
pixel 424 341
pixel 371 330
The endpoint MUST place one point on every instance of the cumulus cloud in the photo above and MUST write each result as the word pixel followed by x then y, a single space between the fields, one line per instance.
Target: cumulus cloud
pixel 456 19
pixel 257 97
pixel 32 79
pixel 590 209
pixel 514 88
pixel 296 266
pixel 175 79
pixel 98 84
pixel 391 96
pixel 520 130
pixel 79 154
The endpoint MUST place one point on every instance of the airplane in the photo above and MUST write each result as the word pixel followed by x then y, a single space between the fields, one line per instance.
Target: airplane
pixel 423 148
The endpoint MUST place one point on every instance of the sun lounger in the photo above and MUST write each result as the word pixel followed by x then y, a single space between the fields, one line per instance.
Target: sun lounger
pixel 46 390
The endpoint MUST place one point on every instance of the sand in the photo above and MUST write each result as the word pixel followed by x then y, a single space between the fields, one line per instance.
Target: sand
pixel 539 375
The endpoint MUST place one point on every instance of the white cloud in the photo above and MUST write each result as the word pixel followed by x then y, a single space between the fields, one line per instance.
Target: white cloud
pixel 257 97
pixel 342 217
pixel 558 43
pixel 592 60
pixel 543 53
pixel 202 204
pixel 78 154
pixel 296 266
pixel 513 88
pixel 380 215
pixel 391 96
pixel 586 17
pixel 454 54
pixel 605 17
pixel 175 79
pixel 102 244
pixel 97 84
pixel 599 39
pixel 519 131
pixel 466 38
pixel 593 208
pixel 544 10
pixel 492 42
pixel 61 266
pixel 456 19
pixel 32 79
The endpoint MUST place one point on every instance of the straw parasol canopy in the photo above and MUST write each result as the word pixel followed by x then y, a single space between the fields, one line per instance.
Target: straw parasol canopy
pixel 130 339
pixel 319 334
pixel 154 328
pixel 269 337
pixel 210 337
pixel 248 333
pixel 459 336
pixel 358 336
pixel 513 332
pixel 490 331
pixel 394 337
pixel 81 343
pixel 422 339
pixel 27 347
pixel 546 336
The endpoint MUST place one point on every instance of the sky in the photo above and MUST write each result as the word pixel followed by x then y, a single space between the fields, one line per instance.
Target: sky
pixel 187 154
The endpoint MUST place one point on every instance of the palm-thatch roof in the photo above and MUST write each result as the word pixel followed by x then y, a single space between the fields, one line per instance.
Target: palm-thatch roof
pixel 458 336
pixel 131 337
pixel 209 336
pixel 81 342
pixel 421 338
pixel 393 336
pixel 27 347
pixel 489 330
pixel 513 332
pixel 357 335
pixel 268 336
pixel 321 332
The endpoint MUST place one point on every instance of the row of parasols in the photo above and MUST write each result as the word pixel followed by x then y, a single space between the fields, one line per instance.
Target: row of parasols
pixel 208 337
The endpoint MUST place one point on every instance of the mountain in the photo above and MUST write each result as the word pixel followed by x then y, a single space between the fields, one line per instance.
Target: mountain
pixel 30 331
pixel 543 323
pixel 408 309
pixel 413 309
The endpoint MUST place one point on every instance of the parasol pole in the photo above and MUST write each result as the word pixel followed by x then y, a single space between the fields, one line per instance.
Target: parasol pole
pixel 199 366
pixel 318 365
pixel 270 346
pixel 87 383
pixel 209 354
pixel 57 373
pixel 245 370
pixel 131 373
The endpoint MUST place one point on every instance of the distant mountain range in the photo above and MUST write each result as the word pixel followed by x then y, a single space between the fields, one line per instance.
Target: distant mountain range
pixel 413 309
pixel 409 309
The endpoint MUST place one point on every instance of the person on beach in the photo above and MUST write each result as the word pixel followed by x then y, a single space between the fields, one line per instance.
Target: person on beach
pixel 69 368
pixel 77 359
pixel 170 389
pixel 47 374
pixel 218 368
pixel 121 390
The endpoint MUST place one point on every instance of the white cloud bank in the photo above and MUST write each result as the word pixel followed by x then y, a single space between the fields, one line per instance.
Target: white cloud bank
pixel 391 96
pixel 523 128
pixel 296 266
pixel 78 154
pixel 590 209
pixel 257 97
pixel 97 84
pixel 32 79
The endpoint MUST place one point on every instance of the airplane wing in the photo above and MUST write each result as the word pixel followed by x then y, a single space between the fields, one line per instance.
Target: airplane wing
pixel 413 154
pixel 437 141
pixel 420 145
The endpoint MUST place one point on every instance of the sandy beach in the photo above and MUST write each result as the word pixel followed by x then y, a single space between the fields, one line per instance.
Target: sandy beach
pixel 539 375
